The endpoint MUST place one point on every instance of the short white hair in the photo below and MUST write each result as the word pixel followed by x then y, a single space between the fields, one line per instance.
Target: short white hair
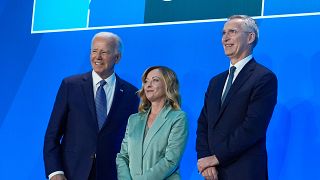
pixel 249 24
pixel 108 35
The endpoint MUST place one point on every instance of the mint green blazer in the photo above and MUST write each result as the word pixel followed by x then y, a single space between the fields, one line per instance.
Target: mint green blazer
pixel 157 156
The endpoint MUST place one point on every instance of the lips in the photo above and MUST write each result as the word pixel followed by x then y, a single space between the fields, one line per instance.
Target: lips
pixel 98 63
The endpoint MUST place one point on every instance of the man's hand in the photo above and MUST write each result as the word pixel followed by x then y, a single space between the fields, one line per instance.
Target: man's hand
pixel 210 173
pixel 207 162
pixel 58 177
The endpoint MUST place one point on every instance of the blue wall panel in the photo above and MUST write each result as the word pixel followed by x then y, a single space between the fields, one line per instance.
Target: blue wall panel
pixel 33 65
pixel 275 7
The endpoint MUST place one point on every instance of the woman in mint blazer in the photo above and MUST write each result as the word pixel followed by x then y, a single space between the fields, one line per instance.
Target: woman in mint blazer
pixel 155 137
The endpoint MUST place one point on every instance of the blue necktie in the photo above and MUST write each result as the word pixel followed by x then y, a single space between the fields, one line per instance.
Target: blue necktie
pixel 101 104
pixel 229 83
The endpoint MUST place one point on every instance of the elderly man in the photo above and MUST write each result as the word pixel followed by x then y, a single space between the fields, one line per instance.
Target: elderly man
pixel 89 117
pixel 231 134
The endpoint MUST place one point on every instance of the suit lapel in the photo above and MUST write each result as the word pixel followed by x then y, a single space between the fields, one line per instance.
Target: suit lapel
pixel 159 121
pixel 87 87
pixel 217 92
pixel 242 77
pixel 219 87
pixel 118 94
pixel 140 129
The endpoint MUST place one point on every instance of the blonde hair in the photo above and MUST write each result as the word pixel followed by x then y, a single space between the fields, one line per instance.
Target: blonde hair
pixel 171 85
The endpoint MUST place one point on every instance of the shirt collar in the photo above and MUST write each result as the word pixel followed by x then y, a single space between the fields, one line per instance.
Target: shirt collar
pixel 96 78
pixel 240 64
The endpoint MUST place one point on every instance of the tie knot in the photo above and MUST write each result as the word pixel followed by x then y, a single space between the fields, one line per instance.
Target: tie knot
pixel 232 69
pixel 102 83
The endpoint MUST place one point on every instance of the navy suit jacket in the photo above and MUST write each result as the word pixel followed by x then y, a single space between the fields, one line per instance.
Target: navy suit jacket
pixel 73 139
pixel 236 130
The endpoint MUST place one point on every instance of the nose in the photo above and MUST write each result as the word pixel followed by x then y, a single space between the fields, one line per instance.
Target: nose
pixel 99 55
pixel 148 84
pixel 225 38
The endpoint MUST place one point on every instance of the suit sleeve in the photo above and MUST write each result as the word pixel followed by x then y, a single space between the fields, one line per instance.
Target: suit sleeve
pixel 253 128
pixel 176 144
pixel 52 150
pixel 202 145
pixel 122 159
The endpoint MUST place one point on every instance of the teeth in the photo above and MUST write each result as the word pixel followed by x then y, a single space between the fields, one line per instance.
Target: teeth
pixel 98 63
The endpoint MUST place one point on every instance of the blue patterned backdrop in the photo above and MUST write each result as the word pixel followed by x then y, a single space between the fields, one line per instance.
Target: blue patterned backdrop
pixel 33 65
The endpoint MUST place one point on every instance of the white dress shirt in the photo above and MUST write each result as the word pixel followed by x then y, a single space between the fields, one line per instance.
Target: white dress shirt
pixel 109 88
pixel 239 65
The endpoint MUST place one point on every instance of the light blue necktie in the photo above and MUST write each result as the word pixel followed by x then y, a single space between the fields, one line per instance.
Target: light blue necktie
pixel 101 104
pixel 229 83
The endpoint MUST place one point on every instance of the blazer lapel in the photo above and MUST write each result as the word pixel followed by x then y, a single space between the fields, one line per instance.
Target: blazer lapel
pixel 159 121
pixel 87 88
pixel 139 129
pixel 242 77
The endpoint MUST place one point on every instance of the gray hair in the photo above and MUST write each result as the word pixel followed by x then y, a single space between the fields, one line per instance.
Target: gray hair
pixel 107 35
pixel 249 25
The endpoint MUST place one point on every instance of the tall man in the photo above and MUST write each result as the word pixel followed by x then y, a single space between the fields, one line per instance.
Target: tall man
pixel 89 117
pixel 231 134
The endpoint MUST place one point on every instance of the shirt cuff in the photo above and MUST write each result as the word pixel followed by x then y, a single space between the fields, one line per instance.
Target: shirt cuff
pixel 55 173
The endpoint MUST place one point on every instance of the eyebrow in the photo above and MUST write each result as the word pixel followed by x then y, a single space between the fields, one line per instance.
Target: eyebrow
pixel 106 50
pixel 153 77
pixel 230 29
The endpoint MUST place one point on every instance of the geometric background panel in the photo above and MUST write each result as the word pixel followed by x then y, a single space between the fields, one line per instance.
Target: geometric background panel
pixel 33 65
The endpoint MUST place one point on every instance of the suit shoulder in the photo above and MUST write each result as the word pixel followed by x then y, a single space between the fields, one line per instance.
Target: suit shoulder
pixel 263 69
pixel 134 117
pixel 177 113
pixel 77 78
pixel 218 76
pixel 127 85
pixel 130 86
pixel 215 79
pixel 178 117
pixel 263 73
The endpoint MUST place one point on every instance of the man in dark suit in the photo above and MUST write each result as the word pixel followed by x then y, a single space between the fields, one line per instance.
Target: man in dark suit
pixel 89 117
pixel 231 134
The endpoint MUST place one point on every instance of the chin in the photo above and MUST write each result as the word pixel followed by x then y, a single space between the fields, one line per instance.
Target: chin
pixel 97 71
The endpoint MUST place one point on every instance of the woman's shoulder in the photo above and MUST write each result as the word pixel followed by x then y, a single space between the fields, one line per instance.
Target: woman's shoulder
pixel 178 113
pixel 136 115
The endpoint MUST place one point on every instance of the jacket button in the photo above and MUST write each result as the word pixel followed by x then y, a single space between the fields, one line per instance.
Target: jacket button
pixel 93 156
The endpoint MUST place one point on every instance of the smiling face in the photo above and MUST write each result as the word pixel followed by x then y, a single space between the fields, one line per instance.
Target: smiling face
pixel 236 41
pixel 104 55
pixel 154 86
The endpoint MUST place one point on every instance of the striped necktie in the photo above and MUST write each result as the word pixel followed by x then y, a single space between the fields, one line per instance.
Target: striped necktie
pixel 101 104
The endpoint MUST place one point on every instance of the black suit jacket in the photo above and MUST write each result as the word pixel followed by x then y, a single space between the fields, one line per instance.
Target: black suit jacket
pixel 73 138
pixel 236 130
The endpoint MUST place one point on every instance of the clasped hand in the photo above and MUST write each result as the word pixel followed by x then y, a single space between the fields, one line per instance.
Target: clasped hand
pixel 206 167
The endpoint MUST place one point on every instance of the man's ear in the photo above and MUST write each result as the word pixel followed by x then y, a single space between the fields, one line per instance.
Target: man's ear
pixel 251 37
pixel 118 57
